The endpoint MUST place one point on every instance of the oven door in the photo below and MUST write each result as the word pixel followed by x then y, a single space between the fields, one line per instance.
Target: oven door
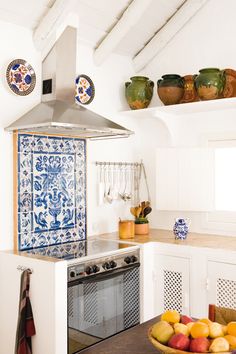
pixel 101 306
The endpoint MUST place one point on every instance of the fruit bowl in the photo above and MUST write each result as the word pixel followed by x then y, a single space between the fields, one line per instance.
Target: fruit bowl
pixel 164 349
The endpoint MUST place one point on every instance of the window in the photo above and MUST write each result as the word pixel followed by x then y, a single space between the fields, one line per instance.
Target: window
pixel 225 182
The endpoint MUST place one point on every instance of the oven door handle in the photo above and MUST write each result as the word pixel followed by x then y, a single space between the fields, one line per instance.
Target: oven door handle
pixel 103 276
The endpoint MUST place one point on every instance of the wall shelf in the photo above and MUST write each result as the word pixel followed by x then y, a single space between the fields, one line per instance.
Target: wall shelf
pixel 185 108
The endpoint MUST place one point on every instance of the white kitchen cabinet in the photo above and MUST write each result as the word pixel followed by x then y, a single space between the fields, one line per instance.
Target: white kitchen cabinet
pixel 185 179
pixel 147 285
pixel 171 283
pixel 221 284
pixel 48 294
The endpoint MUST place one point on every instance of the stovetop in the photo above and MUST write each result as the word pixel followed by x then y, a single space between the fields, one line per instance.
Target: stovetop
pixel 74 250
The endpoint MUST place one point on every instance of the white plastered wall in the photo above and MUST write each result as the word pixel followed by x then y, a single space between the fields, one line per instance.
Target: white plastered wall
pixel 206 41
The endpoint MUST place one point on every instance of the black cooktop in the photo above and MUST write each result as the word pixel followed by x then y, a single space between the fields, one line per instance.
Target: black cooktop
pixel 78 249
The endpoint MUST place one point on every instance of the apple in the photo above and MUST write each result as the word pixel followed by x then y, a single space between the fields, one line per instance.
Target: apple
pixel 199 345
pixel 179 341
pixel 185 319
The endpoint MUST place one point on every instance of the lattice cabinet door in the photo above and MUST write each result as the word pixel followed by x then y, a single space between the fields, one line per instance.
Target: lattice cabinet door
pixel 221 284
pixel 171 277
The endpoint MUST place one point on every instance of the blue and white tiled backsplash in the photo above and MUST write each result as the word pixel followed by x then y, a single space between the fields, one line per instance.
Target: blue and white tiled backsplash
pixel 51 190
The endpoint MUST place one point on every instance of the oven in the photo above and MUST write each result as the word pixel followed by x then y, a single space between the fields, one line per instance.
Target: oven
pixel 103 298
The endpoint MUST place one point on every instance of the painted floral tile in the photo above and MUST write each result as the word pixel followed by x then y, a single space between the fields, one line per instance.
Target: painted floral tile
pixel 51 190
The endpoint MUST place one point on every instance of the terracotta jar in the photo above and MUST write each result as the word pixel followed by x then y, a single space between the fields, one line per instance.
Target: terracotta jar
pixel 170 88
pixel 141 229
pixel 210 83
pixel 190 93
pixel 139 92
pixel 230 83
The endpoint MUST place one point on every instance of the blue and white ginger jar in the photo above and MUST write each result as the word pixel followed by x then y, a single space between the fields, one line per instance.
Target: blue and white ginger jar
pixel 181 228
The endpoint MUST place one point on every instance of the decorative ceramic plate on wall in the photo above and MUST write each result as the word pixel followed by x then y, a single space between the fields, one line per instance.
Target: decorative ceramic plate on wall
pixel 20 77
pixel 85 90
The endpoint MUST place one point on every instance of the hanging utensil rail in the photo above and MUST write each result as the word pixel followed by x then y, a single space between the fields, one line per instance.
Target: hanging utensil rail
pixel 106 163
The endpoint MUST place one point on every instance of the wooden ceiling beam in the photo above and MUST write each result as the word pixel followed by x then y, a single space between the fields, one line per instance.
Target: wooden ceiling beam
pixel 53 24
pixel 129 18
pixel 185 13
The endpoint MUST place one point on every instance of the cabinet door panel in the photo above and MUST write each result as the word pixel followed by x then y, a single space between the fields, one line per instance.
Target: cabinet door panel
pixel 167 195
pixel 185 179
pixel 222 284
pixel 171 284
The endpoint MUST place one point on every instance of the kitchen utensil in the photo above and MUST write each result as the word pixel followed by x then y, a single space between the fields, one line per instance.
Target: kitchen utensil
pixel 125 179
pixel 101 186
pixel 109 196
pixel 133 211
pixel 115 183
pixel 146 182
pixel 147 210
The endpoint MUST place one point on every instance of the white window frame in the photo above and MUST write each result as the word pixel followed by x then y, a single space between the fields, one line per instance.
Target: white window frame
pixel 224 221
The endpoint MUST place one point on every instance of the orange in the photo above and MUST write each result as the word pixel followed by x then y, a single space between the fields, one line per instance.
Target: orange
pixel 205 320
pixel 171 316
pixel 199 329
pixel 231 328
pixel 232 341
pixel 190 325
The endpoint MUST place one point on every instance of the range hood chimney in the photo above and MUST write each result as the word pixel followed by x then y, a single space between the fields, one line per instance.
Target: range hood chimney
pixel 58 113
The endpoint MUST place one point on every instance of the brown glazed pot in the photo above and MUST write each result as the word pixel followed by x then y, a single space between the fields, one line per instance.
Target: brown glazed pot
pixel 141 229
pixel 190 93
pixel 230 83
pixel 170 88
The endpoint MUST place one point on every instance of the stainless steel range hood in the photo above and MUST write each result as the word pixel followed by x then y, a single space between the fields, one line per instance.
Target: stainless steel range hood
pixel 58 113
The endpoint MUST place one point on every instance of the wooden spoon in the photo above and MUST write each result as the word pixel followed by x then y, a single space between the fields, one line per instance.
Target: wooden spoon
pixel 133 211
pixel 147 211
pixel 138 211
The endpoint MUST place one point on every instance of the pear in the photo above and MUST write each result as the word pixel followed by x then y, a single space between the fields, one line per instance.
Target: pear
pixel 162 331
pixel 218 345
pixel 215 330
pixel 181 328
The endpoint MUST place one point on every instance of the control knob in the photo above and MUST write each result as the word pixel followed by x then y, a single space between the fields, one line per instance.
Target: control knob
pixel 113 264
pixel 88 270
pixel 106 265
pixel 133 259
pixel 127 260
pixel 72 274
pixel 95 268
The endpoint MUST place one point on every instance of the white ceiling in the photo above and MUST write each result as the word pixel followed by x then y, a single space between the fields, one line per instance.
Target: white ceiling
pixel 96 19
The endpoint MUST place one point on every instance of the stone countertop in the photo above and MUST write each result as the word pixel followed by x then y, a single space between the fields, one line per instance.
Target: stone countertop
pixel 35 256
pixel 167 237
pixel 134 340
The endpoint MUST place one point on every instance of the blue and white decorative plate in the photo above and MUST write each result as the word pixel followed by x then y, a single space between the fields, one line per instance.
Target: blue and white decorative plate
pixel 20 77
pixel 84 90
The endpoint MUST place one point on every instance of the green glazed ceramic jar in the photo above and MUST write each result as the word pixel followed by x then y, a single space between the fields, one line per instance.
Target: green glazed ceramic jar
pixel 139 92
pixel 170 88
pixel 210 83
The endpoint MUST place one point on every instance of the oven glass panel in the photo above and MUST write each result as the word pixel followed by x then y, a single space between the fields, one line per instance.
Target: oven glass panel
pixel 100 309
